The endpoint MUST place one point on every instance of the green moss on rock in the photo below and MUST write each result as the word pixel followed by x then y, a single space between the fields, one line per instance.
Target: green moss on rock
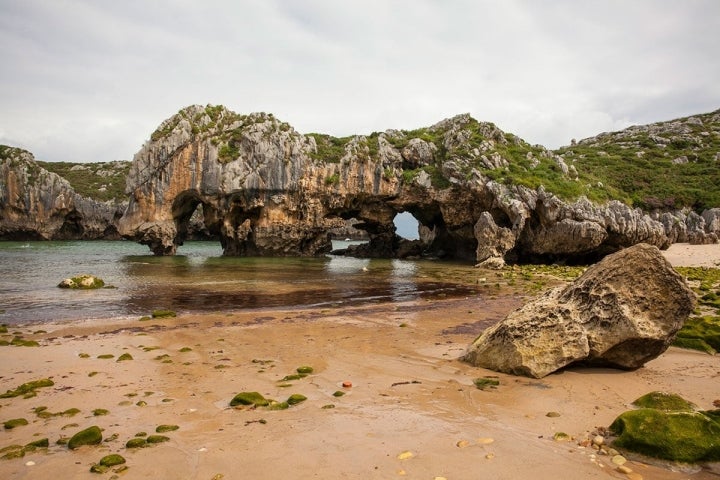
pixel 98 412
pixel 700 332
pixel 112 460
pixel 166 428
pixel 28 388
pixel 484 383
pixel 14 423
pixel 42 443
pixel 668 402
pixel 89 436
pixel 305 370
pixel 249 398
pixel 157 439
pixel 687 437
pixel 278 405
pixel 163 313
pixel 85 282
pixel 124 356
pixel 137 442
pixel 296 398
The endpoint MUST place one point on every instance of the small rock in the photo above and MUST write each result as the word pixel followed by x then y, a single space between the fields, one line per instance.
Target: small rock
pixel 490 456
pixel 624 469
pixel 485 441
pixel 634 476
pixel 29 463
pixel 552 414
pixel 619 460
pixel 347 384
pixel 463 443
pixel 598 440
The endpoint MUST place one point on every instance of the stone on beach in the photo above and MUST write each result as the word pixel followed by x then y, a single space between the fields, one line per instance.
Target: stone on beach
pixel 622 312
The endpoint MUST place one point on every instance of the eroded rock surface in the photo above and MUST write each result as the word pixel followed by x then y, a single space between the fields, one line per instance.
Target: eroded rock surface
pixel 266 189
pixel 39 205
pixel 621 313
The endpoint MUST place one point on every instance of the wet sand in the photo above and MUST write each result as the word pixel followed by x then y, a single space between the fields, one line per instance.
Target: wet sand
pixel 409 393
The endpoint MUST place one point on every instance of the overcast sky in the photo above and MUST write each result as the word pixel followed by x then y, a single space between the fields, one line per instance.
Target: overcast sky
pixel 89 80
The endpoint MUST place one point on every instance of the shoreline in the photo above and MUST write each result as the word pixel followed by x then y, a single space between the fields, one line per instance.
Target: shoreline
pixel 409 393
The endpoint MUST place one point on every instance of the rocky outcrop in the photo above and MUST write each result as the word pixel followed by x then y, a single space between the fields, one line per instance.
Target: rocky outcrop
pixel 39 205
pixel 265 189
pixel 621 313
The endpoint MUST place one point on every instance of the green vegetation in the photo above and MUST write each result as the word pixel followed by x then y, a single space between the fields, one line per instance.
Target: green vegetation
pixel 296 398
pixel 163 314
pixel 305 370
pixel 679 436
pixel 483 383
pixel 14 423
pixel 19 342
pixel 83 282
pixel 166 428
pixel 124 357
pixel 101 181
pixel 106 462
pixel 249 399
pixel 668 166
pixel 702 331
pixel 27 390
pixel 329 149
pixel 89 436
pixel 668 402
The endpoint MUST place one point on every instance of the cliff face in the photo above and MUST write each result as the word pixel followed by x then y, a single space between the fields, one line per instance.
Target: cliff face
pixel 477 192
pixel 39 205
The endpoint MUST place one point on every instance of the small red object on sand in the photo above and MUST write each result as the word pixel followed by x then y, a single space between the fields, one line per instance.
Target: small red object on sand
pixel 347 384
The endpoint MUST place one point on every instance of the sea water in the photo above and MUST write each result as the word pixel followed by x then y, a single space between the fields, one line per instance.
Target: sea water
pixel 199 279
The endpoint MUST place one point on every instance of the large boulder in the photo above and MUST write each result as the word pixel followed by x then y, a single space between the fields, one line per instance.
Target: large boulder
pixel 621 313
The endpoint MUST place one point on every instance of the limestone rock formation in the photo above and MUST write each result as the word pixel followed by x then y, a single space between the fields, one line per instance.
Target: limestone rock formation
pixel 266 189
pixel 621 313
pixel 39 205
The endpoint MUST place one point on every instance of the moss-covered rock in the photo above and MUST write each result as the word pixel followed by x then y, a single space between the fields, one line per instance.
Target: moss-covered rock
pixel 668 402
pixel 278 405
pixel 124 357
pixel 700 333
pixel 305 370
pixel 249 398
pixel 296 398
pixel 484 383
pixel 98 412
pixel 137 442
pixel 157 439
pixel 28 388
pixel 112 460
pixel 14 423
pixel 668 428
pixel 163 314
pixel 166 428
pixel 84 281
pixel 89 436
pixel 42 443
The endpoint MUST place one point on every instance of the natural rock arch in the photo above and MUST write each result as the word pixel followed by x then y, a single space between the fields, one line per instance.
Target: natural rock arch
pixel 267 190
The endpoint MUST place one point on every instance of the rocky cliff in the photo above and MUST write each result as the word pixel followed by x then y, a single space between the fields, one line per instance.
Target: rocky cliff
pixel 36 204
pixel 478 193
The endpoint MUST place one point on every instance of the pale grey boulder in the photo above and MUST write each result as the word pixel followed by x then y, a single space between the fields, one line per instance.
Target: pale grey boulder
pixel 622 312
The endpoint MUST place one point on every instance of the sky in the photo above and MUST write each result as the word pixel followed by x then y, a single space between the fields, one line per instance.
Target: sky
pixel 90 80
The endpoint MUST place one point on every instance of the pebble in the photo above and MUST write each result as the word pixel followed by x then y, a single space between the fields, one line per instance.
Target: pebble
pixel 463 443
pixel 619 460
pixel 552 414
pixel 29 463
pixel 485 441
pixel 347 384
pixel 624 469
pixel 405 455
pixel 598 440
pixel 440 478
pixel 634 476
pixel 490 456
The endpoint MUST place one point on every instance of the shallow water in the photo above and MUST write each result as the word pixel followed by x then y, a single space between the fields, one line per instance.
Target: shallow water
pixel 199 279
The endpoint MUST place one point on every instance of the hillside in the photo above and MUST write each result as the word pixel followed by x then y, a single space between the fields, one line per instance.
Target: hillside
pixel 101 181
pixel 665 165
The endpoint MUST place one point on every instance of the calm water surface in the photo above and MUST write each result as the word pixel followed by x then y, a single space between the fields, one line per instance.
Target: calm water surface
pixel 199 279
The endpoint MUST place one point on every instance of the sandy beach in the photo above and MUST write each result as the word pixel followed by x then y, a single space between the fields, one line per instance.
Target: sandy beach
pixel 412 410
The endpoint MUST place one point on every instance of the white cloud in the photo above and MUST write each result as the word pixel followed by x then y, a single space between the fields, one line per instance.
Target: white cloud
pixel 90 80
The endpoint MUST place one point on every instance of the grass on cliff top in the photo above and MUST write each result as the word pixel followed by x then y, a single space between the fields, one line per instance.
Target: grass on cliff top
pixel 100 181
